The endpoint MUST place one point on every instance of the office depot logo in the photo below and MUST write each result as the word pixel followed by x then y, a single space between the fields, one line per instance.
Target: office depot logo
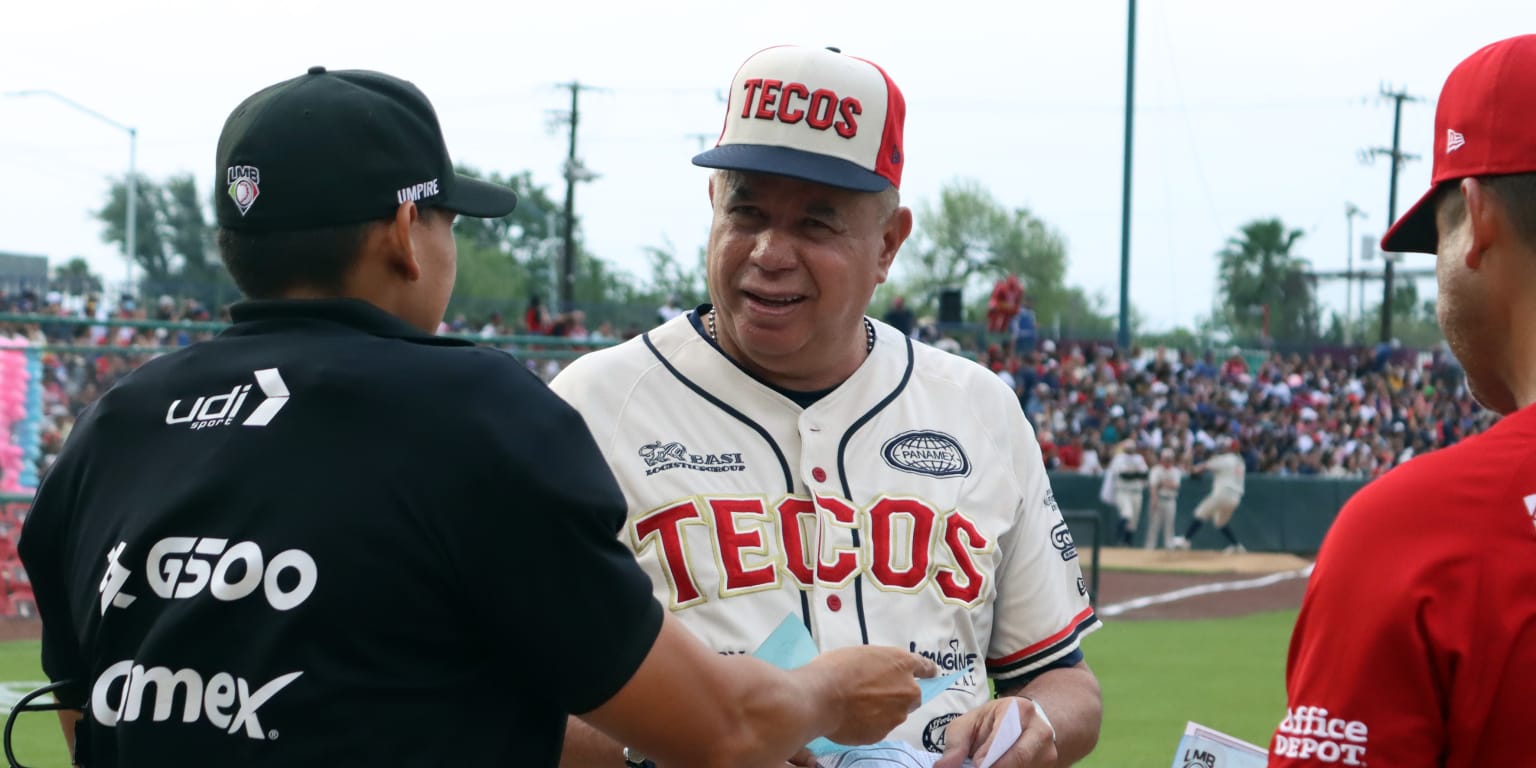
pixel 1308 733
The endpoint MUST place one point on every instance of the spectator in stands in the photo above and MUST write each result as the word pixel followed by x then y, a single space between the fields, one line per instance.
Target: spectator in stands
pixel 669 310
pixel 536 318
pixel 899 316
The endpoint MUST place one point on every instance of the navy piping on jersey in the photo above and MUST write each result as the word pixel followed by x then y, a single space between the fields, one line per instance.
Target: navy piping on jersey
pixel 789 477
pixel 842 450
pixel 1072 637
pixel 799 397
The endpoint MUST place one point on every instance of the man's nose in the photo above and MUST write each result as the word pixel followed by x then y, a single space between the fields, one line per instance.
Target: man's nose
pixel 774 250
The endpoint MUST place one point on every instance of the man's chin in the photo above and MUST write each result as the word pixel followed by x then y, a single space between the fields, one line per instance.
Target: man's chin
pixel 1503 403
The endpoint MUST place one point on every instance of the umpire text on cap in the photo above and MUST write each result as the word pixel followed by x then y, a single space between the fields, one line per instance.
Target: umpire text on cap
pixel 1485 125
pixel 814 114
pixel 333 148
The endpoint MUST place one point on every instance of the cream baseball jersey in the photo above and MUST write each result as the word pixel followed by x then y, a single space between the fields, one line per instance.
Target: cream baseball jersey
pixel 1227 472
pixel 908 507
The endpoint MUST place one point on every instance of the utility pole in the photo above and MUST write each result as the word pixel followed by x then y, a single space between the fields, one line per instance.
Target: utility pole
pixel 130 233
pixel 1123 338
pixel 1350 212
pixel 574 172
pixel 1397 156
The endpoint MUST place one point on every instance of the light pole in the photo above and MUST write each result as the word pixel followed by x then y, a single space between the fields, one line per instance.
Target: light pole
pixel 129 234
pixel 1350 212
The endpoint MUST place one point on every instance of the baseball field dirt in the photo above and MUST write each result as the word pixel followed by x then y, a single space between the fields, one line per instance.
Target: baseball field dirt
pixel 1138 584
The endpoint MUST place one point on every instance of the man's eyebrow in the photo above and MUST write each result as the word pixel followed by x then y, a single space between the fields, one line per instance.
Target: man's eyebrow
pixel 819 208
pixel 739 193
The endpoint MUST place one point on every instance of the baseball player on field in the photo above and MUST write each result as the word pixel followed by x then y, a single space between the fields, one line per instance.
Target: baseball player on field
pixel 783 454
pixel 1125 483
pixel 1164 480
pixel 1228 473
pixel 1416 643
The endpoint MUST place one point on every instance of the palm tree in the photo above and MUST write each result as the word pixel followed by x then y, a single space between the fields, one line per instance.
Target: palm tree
pixel 1264 287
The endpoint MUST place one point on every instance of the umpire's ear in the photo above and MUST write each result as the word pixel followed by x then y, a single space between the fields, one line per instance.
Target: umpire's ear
pixel 401 252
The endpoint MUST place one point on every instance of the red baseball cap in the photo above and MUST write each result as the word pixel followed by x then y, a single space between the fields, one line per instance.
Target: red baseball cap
pixel 1485 125
pixel 814 114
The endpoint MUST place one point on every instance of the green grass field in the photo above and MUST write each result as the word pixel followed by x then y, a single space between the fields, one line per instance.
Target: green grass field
pixel 37 739
pixel 1228 674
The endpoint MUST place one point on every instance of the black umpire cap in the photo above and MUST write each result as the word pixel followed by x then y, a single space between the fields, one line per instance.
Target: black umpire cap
pixel 334 148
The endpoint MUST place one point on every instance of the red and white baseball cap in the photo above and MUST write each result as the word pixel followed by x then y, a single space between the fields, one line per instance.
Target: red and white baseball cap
pixel 813 114
pixel 1485 125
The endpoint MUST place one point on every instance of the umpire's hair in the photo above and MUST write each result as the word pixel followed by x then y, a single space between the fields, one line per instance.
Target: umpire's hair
pixel 1517 192
pixel 267 265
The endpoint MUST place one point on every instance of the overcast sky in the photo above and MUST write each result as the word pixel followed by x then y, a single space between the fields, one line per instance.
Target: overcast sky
pixel 1244 109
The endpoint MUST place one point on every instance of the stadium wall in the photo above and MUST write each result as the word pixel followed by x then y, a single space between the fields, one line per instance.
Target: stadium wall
pixel 1278 514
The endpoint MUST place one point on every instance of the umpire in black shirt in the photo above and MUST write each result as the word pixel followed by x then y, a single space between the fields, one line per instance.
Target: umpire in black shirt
pixel 328 537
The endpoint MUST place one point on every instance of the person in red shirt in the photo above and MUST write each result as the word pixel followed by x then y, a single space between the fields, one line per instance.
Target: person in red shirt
pixel 1416 643
pixel 1071 453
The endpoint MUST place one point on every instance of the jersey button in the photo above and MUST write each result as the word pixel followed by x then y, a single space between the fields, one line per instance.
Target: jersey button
pixel 820 475
pixel 834 603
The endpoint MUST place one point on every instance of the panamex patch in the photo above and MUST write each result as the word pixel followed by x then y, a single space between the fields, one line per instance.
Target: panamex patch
pixel 925 452
pixel 222 409
pixel 244 186
pixel 224 700
pixel 1308 733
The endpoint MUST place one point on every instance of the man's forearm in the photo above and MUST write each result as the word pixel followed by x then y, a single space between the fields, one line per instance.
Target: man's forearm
pixel 68 719
pixel 587 747
pixel 1071 699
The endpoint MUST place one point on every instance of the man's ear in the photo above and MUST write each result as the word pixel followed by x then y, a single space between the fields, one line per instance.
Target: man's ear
pixel 402 248
pixel 897 228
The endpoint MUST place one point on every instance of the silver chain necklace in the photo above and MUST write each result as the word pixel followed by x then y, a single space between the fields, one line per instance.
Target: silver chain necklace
pixel 869 331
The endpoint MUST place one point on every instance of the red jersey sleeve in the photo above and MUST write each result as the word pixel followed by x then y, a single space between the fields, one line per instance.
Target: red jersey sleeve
pixel 1416 642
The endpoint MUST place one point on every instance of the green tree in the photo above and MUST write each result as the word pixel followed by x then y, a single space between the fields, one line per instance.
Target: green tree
pixel 969 240
pixel 1261 283
pixel 505 261
pixel 76 278
pixel 173 239
pixel 672 276
pixel 150 253
pixel 1413 321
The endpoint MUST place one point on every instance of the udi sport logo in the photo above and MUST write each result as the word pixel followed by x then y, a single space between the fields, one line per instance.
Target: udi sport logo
pixel 222 409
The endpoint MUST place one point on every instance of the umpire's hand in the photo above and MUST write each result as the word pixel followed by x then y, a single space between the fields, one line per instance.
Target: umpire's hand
pixel 875 687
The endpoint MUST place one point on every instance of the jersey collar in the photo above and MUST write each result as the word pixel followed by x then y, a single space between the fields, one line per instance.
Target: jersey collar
pixel 256 317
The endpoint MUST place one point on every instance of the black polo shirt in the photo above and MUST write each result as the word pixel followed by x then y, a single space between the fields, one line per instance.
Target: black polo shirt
pixel 325 538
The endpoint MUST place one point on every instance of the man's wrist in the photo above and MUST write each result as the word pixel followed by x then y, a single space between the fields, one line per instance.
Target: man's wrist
pixel 1040 713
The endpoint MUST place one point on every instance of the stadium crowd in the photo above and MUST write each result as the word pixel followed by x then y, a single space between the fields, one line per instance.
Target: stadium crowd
pixel 1350 414
pixel 1341 413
